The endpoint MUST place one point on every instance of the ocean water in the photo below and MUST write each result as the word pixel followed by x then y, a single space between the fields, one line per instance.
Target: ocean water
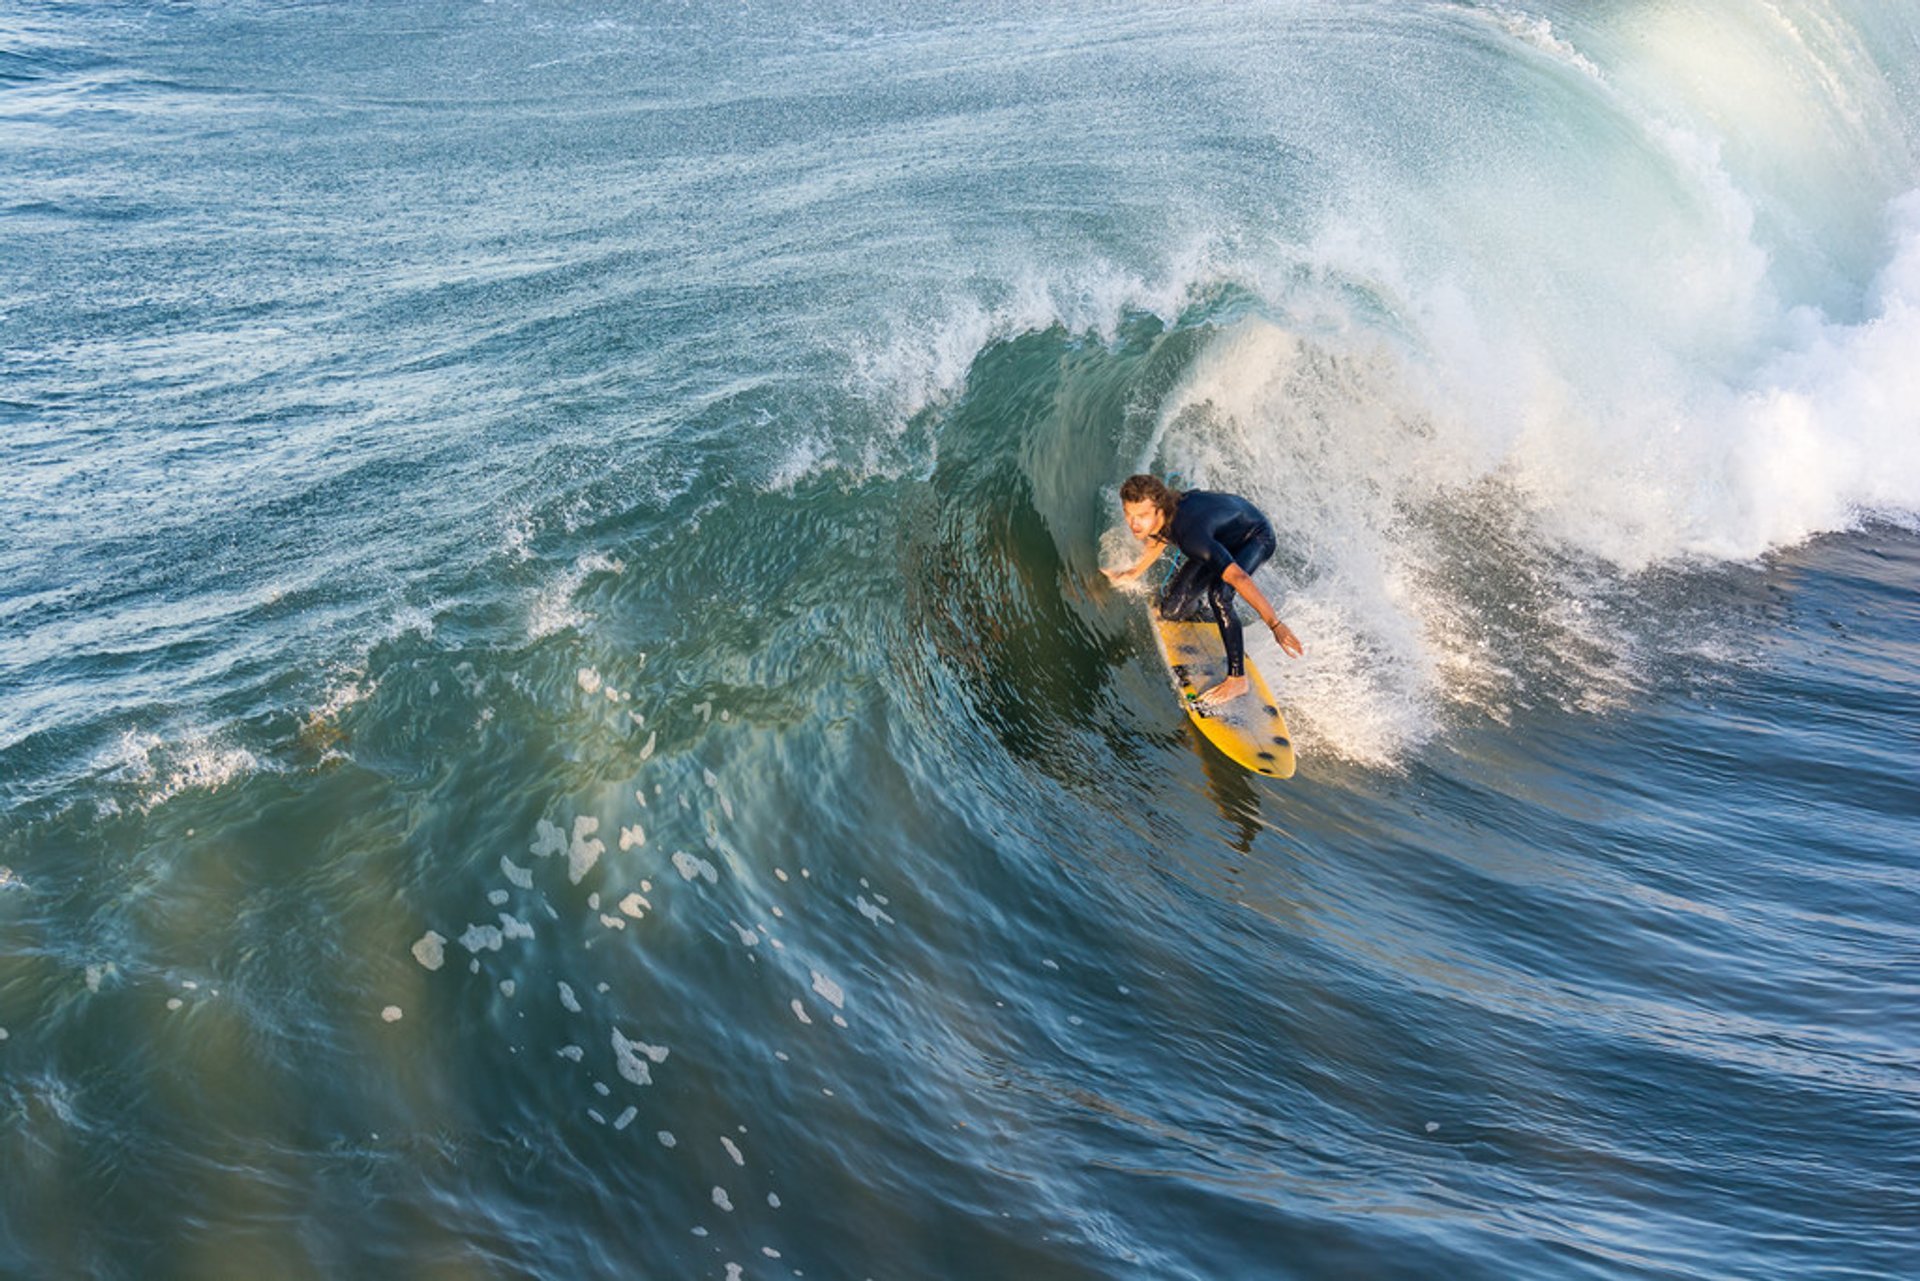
pixel 558 716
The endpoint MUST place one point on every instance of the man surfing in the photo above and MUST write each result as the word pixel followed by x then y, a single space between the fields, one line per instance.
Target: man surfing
pixel 1225 538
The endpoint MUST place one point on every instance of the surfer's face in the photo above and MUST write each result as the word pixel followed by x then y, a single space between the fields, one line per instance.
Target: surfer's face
pixel 1143 518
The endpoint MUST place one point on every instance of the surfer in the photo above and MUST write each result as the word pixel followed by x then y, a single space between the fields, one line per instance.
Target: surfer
pixel 1225 539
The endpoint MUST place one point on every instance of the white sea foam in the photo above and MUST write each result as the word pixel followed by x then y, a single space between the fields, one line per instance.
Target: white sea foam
pixel 553 609
pixel 199 760
pixel 633 1059
pixel 830 991
pixel 548 840
pixel 430 950
pixel 347 690
pixel 482 938
pixel 691 866
pixel 585 850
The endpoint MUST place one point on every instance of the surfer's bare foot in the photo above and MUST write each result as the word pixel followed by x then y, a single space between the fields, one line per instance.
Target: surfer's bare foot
pixel 1225 692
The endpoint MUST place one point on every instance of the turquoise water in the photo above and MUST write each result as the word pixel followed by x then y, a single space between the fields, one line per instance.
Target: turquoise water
pixel 558 716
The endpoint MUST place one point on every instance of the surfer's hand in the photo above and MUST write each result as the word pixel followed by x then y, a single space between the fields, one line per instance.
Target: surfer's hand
pixel 1117 575
pixel 1288 641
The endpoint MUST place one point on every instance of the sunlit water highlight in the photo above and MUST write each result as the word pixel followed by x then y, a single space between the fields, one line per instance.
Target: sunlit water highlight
pixel 558 716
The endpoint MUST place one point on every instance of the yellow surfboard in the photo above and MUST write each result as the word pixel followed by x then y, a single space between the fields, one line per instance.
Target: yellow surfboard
pixel 1249 730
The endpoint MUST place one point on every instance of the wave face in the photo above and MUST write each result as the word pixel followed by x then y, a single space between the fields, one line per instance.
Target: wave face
pixel 558 715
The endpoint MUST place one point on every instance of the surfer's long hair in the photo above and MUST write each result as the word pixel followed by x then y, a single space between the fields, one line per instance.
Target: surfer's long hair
pixel 1151 489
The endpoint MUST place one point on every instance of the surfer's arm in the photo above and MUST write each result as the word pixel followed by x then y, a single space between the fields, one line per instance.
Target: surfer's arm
pixel 1139 567
pixel 1242 582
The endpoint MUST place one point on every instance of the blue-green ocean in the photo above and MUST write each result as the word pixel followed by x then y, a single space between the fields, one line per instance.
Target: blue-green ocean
pixel 559 717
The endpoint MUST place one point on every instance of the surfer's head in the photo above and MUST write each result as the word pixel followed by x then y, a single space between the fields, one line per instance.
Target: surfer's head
pixel 1148 503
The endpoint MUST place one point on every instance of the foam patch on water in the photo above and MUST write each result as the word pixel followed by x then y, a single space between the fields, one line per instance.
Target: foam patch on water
pixel 830 991
pixel 691 867
pixel 548 840
pixel 431 950
pixel 482 938
pixel 634 1059
pixel 585 850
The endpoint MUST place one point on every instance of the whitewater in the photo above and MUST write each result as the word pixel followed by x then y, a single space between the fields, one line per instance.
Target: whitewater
pixel 559 715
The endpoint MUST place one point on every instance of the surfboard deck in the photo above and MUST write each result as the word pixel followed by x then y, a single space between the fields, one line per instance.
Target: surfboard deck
pixel 1249 731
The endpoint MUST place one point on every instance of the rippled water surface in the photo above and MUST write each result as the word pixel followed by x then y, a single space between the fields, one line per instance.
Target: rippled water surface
pixel 558 715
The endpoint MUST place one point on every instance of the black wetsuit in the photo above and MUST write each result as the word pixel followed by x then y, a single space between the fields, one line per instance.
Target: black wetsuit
pixel 1215 531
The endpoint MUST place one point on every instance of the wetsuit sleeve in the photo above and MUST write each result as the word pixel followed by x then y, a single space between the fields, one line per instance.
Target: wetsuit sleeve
pixel 1201 545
